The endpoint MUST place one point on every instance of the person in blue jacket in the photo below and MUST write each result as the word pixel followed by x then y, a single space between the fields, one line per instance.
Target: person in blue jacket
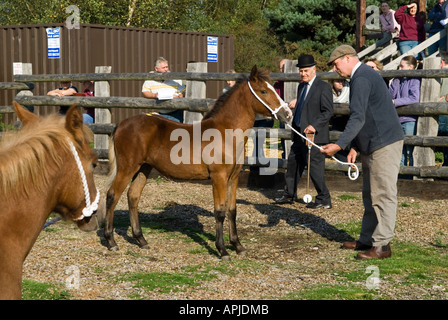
pixel 436 15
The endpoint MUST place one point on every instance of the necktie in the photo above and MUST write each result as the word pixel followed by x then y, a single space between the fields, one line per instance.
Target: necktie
pixel 300 105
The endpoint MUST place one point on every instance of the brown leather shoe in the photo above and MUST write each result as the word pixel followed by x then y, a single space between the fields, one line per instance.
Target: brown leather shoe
pixel 355 245
pixel 380 252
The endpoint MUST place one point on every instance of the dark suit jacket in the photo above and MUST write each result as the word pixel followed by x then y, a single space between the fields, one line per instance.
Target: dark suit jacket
pixel 317 110
pixel 373 121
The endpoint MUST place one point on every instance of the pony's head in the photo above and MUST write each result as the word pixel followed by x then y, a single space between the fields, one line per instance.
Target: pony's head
pixel 269 102
pixel 67 144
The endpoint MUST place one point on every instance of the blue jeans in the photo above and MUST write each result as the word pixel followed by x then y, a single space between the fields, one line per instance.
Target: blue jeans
pixel 406 45
pixel 87 118
pixel 177 115
pixel 409 129
pixel 438 45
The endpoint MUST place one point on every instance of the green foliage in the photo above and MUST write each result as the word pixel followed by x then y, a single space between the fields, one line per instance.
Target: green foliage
pixel 4 126
pixel 314 26
pixel 265 31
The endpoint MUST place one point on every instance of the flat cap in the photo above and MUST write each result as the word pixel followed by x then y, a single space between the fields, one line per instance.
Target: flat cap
pixel 341 51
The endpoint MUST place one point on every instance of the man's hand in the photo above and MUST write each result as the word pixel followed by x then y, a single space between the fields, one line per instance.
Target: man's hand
pixel 330 149
pixel 309 130
pixel 292 104
pixel 351 157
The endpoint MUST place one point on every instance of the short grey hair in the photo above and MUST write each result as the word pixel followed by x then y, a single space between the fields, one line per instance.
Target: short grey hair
pixel 159 60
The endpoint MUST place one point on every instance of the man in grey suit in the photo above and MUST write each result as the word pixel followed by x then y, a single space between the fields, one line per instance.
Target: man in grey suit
pixel 312 114
pixel 373 130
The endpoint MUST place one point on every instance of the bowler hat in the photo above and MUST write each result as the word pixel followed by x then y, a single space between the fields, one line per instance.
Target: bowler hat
pixel 341 51
pixel 305 60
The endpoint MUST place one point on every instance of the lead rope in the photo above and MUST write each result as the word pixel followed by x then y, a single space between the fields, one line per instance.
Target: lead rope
pixel 351 175
pixel 90 207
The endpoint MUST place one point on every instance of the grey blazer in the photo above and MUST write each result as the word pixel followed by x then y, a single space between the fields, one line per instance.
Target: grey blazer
pixel 373 121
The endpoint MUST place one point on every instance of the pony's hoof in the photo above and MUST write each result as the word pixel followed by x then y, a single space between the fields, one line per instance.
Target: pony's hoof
pixel 242 253
pixel 225 258
pixel 114 248
pixel 145 247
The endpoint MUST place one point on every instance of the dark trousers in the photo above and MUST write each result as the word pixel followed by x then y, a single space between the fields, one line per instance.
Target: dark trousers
pixel 297 161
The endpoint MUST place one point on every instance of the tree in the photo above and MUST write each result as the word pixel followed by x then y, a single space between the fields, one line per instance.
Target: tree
pixel 314 26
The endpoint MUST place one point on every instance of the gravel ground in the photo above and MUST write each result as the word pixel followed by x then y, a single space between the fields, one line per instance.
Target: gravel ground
pixel 289 247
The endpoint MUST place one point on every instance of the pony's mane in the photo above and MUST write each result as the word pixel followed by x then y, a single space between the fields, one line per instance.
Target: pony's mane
pixel 261 76
pixel 28 157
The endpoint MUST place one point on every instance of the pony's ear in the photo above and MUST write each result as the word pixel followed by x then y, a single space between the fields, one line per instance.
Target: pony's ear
pixel 24 115
pixel 74 122
pixel 253 73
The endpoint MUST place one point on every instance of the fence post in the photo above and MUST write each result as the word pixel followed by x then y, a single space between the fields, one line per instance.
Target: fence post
pixel 102 115
pixel 24 68
pixel 290 93
pixel 427 126
pixel 195 90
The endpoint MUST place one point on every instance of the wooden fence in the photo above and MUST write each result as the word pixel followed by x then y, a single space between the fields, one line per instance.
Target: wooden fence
pixel 195 103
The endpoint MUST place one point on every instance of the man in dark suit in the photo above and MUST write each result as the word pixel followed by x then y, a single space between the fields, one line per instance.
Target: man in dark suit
pixel 373 129
pixel 312 114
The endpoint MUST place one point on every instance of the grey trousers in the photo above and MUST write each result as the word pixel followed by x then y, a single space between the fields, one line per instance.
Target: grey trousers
pixel 379 193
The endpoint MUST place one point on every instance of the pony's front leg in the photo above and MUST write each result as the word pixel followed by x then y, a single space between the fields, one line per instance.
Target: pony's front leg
pixel 111 201
pixel 134 194
pixel 219 197
pixel 231 200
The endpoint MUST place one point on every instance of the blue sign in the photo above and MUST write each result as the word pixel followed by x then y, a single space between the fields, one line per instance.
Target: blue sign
pixel 212 49
pixel 54 43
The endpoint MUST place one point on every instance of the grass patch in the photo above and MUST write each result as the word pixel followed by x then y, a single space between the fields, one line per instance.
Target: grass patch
pixel 32 290
pixel 164 282
pixel 187 277
pixel 439 241
pixel 409 265
pixel 348 197
pixel 328 292
pixel 353 228
pixel 409 205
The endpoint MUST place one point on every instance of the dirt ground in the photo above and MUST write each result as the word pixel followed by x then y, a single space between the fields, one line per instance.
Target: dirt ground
pixel 289 247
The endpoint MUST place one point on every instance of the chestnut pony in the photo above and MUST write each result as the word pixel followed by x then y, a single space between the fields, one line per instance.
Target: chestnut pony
pixel 39 175
pixel 143 142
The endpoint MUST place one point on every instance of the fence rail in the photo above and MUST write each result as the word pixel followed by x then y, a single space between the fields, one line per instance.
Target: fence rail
pixel 200 105
pixel 210 76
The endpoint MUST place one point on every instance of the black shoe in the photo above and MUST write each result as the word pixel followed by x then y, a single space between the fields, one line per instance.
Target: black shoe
pixel 284 199
pixel 314 205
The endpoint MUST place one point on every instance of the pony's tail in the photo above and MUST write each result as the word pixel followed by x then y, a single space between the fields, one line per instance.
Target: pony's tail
pixel 112 164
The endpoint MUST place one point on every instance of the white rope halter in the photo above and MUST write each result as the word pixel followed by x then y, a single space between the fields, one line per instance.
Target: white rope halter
pixel 90 207
pixel 284 105
pixel 351 175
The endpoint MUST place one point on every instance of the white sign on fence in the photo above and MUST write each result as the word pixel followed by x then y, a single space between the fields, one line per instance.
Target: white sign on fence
pixel 54 43
pixel 212 49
